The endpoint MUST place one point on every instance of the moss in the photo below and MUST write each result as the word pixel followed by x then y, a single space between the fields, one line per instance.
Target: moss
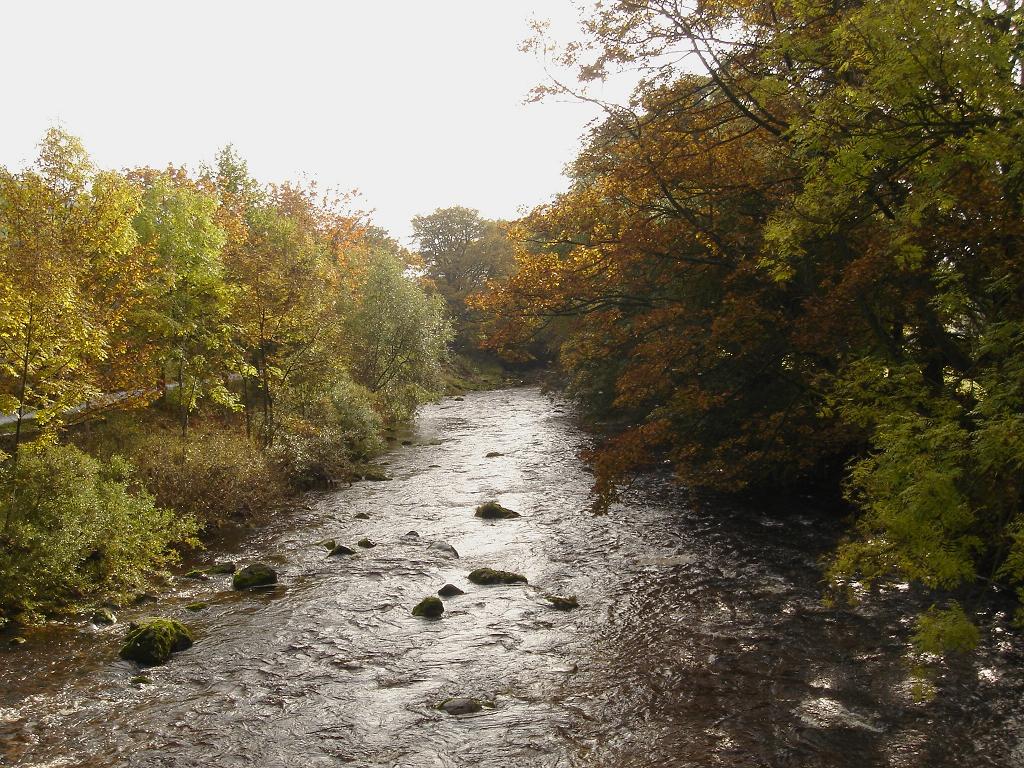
pixel 563 602
pixel 488 576
pixel 255 575
pixel 365 544
pixel 429 608
pixel 154 640
pixel 197 606
pixel 492 510
pixel 140 680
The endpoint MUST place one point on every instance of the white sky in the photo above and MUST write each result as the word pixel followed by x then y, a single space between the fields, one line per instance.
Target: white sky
pixel 419 105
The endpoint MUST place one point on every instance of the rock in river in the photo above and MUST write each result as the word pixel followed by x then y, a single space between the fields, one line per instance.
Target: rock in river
pixel 255 575
pixel 153 641
pixel 103 616
pixel 461 706
pixel 444 546
pixel 487 576
pixel 340 550
pixel 429 608
pixel 563 602
pixel 450 590
pixel 365 544
pixel 492 510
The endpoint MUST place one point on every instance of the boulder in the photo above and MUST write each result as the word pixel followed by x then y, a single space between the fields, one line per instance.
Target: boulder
pixel 429 608
pixel 340 550
pixel 492 510
pixel 450 590
pixel 494 454
pixel 365 544
pixel 222 568
pixel 153 641
pixel 255 575
pixel 488 576
pixel 197 575
pixel 412 534
pixel 328 544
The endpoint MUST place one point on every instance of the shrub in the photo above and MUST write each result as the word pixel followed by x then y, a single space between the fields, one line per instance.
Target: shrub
pixel 75 527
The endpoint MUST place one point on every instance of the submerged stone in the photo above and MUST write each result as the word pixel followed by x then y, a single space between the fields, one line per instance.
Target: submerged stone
pixel 412 534
pixel 197 575
pixel 17 641
pixel 222 567
pixel 492 510
pixel 488 576
pixel 429 608
pixel 154 640
pixel 444 546
pixel 103 616
pixel 494 454
pixel 255 575
pixel 362 516
pixel 327 544
pixel 563 602
pixel 340 550
pixel 460 706
pixel 450 590
pixel 140 680
pixel 365 544
pixel 196 607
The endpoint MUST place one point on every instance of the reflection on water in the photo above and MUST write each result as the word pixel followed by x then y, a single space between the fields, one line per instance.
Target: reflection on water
pixel 700 639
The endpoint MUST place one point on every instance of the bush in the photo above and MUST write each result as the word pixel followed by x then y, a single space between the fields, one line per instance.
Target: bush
pixel 73 527
pixel 218 475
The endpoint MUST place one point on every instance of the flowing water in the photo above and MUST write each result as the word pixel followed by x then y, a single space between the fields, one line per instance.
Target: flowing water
pixel 700 640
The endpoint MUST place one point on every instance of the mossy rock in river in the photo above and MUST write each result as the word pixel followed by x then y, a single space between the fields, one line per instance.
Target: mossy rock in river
pixel 488 576
pixel 197 607
pixel 255 575
pixel 154 640
pixel 328 544
pixel 197 575
pixel 103 615
pixel 492 510
pixel 429 608
pixel 222 568
pixel 563 602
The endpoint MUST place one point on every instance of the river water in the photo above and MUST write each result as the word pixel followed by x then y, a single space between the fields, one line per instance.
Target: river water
pixel 700 640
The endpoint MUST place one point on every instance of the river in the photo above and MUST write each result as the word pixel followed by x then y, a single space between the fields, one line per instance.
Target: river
pixel 701 638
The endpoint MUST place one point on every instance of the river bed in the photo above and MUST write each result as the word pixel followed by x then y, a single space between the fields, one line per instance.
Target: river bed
pixel 701 638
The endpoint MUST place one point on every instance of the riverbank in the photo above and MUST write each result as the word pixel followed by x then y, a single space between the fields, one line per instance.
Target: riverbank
pixel 700 638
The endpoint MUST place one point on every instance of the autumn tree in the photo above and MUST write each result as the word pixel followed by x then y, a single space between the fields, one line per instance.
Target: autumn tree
pixel 461 251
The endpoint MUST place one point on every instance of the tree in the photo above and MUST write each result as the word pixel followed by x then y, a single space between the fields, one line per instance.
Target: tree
pixel 67 271
pixel 462 251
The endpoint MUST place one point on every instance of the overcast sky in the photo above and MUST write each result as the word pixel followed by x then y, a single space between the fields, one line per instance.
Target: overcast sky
pixel 419 105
